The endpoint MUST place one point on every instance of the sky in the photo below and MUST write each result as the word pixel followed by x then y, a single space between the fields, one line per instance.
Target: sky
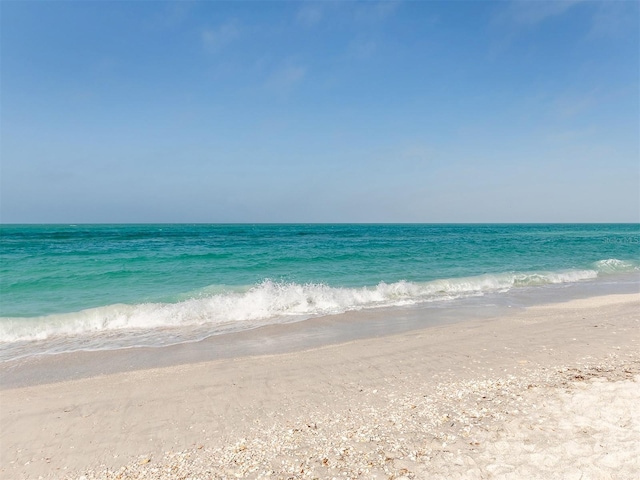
pixel 394 111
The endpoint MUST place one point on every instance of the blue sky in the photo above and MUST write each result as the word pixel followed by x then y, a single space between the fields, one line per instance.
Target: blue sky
pixel 393 111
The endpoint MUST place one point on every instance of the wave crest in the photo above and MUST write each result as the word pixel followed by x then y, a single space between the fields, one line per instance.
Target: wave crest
pixel 613 265
pixel 272 302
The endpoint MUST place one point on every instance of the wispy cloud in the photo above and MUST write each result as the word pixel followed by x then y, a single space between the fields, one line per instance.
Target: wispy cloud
pixel 517 17
pixel 569 106
pixel 418 152
pixel 361 49
pixel 376 11
pixel 215 39
pixel 171 15
pixel 572 135
pixel 310 14
pixel 529 13
pixel 286 78
pixel 613 19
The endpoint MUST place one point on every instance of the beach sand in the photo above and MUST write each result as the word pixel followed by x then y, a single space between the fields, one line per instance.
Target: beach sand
pixel 549 392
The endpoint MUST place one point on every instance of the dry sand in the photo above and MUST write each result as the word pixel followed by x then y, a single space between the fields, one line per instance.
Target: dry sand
pixel 551 392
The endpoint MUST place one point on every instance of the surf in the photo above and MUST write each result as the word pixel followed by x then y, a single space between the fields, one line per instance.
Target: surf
pixel 215 310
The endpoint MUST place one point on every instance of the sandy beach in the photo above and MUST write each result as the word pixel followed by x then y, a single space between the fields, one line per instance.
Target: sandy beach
pixel 549 392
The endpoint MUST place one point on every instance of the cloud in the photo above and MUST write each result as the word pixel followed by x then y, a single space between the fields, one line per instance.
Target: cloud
pixel 529 13
pixel 214 39
pixel 376 11
pixel 572 135
pixel 172 15
pixel 368 12
pixel 361 49
pixel 614 19
pixel 284 79
pixel 569 106
pixel 417 152
pixel 518 17
pixel 310 15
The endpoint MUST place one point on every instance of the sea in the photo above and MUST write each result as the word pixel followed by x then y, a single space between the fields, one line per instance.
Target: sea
pixel 69 288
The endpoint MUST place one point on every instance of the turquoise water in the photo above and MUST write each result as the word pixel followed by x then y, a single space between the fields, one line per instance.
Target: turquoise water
pixel 108 286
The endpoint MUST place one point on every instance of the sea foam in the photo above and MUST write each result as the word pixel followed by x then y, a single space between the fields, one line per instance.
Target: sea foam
pixel 277 302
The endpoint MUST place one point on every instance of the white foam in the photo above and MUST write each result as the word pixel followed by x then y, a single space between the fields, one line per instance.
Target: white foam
pixel 267 302
pixel 613 265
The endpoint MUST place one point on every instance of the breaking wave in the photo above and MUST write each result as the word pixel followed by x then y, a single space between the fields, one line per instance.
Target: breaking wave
pixel 275 302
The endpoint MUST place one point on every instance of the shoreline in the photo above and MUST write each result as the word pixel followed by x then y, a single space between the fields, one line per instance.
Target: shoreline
pixel 395 405
pixel 300 335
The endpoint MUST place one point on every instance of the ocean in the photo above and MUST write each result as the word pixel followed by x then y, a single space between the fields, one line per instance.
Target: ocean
pixel 68 288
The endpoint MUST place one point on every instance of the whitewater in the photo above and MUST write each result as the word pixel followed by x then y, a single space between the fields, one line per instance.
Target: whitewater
pixel 66 288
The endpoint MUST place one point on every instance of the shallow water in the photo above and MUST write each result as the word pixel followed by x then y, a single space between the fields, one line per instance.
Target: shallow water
pixel 102 287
